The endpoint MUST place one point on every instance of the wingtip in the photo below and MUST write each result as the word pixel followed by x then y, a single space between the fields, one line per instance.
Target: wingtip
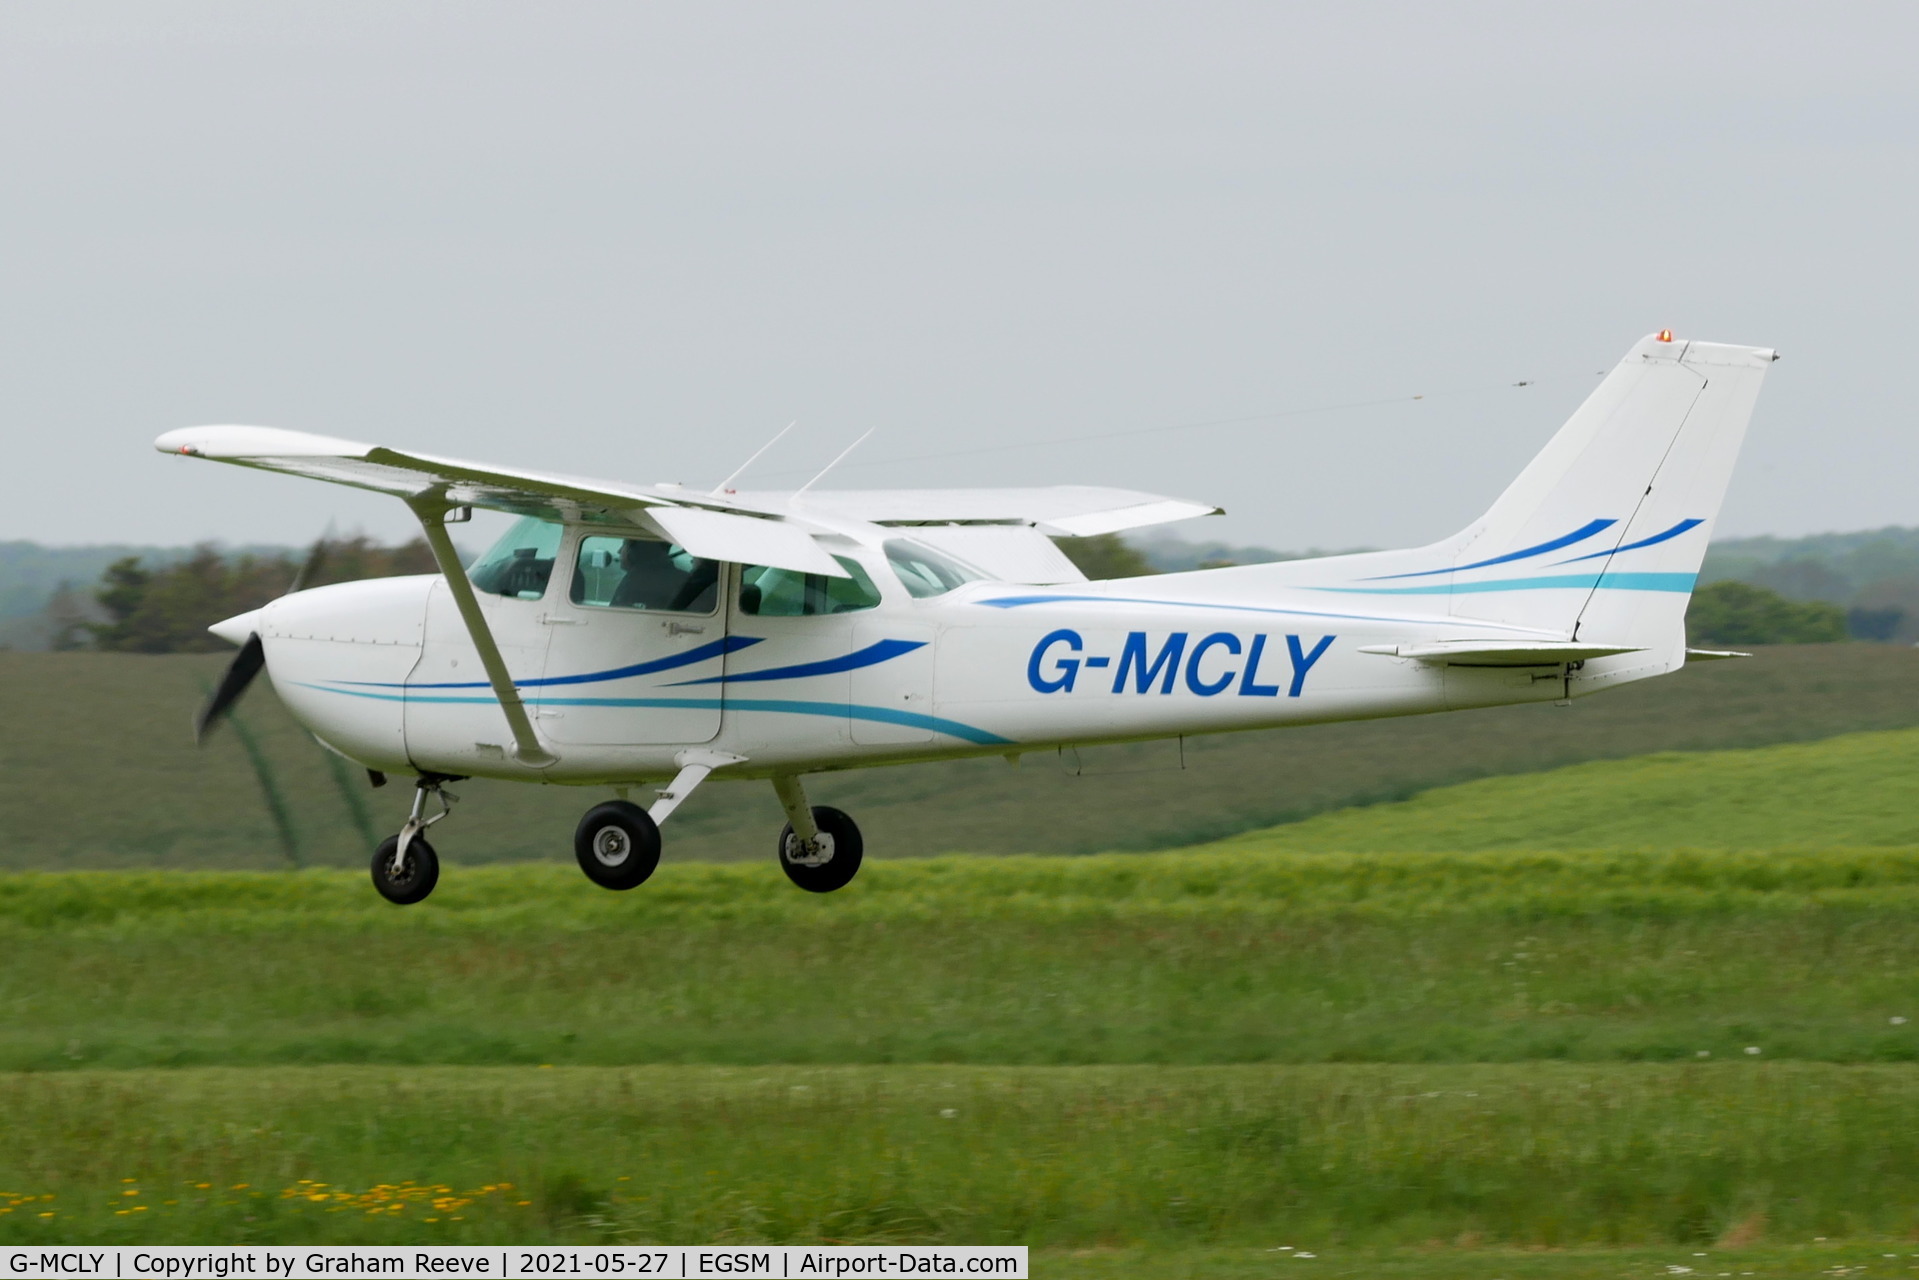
pixel 237 441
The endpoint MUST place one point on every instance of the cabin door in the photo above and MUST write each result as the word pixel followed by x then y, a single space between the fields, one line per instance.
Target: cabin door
pixel 638 645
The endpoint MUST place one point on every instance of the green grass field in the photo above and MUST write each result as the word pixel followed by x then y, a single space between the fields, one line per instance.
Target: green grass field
pixel 1604 1020
pixel 1321 1158
pixel 1199 957
pixel 1855 790
pixel 102 772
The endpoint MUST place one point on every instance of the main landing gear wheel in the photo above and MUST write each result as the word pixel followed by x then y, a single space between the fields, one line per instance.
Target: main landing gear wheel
pixel 618 845
pixel 416 875
pixel 834 858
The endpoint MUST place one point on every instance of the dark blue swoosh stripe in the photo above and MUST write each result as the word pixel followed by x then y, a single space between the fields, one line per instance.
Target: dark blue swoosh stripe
pixel 872 655
pixel 1673 532
pixel 715 649
pixel 1566 540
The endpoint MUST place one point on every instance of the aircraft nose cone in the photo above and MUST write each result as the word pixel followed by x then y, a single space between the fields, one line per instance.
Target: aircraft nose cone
pixel 236 629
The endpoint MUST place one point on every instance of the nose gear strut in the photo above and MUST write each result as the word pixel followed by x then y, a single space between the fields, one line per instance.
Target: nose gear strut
pixel 429 783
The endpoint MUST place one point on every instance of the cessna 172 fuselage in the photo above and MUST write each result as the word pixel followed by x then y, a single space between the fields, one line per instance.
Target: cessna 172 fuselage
pixel 622 635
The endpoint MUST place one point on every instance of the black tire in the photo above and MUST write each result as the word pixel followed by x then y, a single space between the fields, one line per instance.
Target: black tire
pixel 843 851
pixel 617 845
pixel 417 877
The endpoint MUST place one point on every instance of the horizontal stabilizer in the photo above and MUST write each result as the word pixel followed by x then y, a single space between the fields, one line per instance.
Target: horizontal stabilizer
pixel 1713 655
pixel 1500 653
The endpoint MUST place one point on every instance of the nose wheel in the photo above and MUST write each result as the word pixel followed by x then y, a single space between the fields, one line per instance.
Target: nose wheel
pixel 405 878
pixel 405 866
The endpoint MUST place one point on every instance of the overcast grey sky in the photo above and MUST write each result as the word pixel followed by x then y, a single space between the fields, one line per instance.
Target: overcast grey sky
pixel 635 240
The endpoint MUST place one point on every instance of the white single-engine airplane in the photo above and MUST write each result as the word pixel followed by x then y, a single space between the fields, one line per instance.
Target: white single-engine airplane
pixel 620 635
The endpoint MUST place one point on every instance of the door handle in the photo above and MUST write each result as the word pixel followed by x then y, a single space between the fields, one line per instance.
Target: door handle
pixel 684 629
pixel 554 620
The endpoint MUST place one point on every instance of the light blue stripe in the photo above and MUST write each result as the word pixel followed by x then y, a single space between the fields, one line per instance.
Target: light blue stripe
pixel 1680 582
pixel 835 710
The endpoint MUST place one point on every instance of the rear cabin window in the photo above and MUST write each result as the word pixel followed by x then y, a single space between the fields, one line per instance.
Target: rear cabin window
pixel 520 564
pixel 640 573
pixel 766 592
pixel 924 571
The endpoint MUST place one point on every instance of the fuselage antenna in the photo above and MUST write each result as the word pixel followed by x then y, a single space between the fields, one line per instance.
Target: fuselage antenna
pixel 834 463
pixel 726 485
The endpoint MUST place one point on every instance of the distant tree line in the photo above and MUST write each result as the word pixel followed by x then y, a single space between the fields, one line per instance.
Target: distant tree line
pixel 1738 613
pixel 141 608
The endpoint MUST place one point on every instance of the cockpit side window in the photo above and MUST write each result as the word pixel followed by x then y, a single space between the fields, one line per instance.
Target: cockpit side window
pixel 924 571
pixel 519 565
pixel 641 573
pixel 766 592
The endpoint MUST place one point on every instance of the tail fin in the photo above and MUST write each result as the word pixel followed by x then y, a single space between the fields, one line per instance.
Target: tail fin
pixel 1612 518
pixel 1601 537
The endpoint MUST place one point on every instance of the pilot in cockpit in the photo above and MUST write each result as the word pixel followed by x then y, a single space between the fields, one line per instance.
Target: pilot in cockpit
pixel 658 575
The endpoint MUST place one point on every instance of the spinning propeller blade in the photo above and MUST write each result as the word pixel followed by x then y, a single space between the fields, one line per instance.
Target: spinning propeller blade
pixel 316 559
pixel 239 674
pixel 252 657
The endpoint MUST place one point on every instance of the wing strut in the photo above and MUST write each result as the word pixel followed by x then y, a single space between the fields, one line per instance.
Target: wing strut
pixel 527 749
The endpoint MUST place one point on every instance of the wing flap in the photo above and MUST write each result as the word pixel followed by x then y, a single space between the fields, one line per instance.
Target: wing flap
pixel 1138 516
pixel 715 535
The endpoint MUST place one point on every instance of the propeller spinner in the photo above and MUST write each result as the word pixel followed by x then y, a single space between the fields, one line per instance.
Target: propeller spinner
pixel 252 657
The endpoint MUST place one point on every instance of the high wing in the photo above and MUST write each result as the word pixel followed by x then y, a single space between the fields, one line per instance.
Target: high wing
pixel 771 528
pixel 711 527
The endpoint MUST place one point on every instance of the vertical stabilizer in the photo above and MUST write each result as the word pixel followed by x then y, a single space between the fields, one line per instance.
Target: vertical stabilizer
pixel 1601 537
